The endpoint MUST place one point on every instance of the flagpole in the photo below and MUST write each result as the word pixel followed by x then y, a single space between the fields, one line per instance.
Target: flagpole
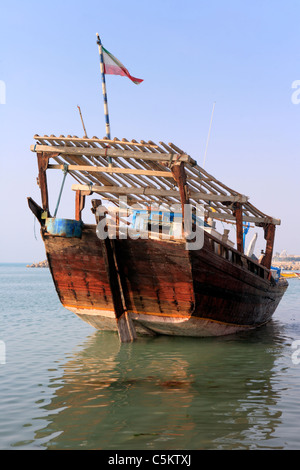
pixel 107 125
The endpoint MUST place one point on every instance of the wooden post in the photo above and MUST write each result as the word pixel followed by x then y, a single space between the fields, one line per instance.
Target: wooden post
pixel 43 160
pixel 238 213
pixel 125 324
pixel 269 230
pixel 180 178
pixel 79 204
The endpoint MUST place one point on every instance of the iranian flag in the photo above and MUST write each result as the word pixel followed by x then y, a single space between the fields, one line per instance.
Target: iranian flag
pixel 113 66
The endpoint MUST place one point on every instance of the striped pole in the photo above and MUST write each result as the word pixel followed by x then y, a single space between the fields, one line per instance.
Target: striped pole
pixel 107 125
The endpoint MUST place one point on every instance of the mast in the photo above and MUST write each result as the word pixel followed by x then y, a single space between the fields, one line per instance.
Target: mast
pixel 107 124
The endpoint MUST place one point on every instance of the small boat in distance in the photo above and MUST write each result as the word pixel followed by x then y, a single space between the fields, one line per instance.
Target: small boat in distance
pixel 291 275
pixel 161 271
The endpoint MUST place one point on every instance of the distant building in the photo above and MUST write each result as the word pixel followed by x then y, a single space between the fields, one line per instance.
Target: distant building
pixel 283 254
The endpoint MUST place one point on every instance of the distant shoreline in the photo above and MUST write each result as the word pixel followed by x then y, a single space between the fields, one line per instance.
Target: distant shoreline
pixel 40 264
pixel 287 265
pixel 284 265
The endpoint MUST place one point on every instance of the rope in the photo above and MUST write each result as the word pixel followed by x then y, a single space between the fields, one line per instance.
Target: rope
pixel 65 171
pixel 34 231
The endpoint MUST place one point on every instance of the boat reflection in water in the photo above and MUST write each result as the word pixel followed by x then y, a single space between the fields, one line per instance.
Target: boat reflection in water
pixel 175 393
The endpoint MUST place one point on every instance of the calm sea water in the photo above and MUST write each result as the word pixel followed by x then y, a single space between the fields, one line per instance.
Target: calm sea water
pixel 64 385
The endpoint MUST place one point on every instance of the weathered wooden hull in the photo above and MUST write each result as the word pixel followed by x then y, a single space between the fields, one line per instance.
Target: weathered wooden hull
pixel 168 289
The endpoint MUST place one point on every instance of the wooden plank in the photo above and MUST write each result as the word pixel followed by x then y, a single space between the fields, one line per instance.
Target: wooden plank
pixel 146 191
pixel 195 181
pixel 157 282
pixel 75 139
pixel 140 180
pixel 269 230
pixel 100 169
pixel 155 182
pixel 180 178
pixel 238 214
pixel 127 177
pixel 109 152
pixel 146 154
pixel 154 192
pixel 42 166
pixel 255 220
pixel 125 325
pixel 79 204
pixel 78 159
pixel 165 182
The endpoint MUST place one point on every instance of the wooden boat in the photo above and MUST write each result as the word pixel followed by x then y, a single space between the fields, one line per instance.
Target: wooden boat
pixel 152 284
pixel 291 275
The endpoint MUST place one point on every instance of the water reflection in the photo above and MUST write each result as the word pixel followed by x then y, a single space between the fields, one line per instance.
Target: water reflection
pixel 168 393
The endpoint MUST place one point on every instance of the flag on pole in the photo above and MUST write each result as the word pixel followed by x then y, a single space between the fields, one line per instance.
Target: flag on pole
pixel 112 66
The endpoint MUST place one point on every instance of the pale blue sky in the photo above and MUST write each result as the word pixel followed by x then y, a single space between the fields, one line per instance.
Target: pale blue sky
pixel 244 55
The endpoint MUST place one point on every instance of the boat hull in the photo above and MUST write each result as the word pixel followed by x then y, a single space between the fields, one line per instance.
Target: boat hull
pixel 168 290
pixel 160 324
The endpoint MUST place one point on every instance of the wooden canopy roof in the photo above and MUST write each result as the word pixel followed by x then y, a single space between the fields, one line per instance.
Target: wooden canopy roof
pixel 142 172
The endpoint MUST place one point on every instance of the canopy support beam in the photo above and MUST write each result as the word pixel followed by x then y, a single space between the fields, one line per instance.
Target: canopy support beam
pixel 238 213
pixel 180 178
pixel 269 232
pixel 43 159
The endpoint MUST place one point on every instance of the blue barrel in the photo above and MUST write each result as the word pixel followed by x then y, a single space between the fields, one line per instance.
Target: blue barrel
pixel 64 227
